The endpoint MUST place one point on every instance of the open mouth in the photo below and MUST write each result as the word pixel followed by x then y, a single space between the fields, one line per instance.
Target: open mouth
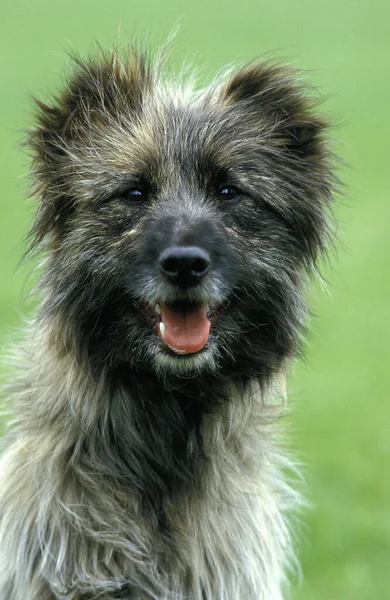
pixel 183 327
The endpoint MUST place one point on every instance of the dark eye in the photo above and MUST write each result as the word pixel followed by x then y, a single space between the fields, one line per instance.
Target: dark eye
pixel 136 194
pixel 229 193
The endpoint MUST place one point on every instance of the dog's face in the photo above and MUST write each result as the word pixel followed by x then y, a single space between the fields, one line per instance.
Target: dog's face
pixel 178 225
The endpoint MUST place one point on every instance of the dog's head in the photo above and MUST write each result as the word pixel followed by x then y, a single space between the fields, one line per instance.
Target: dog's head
pixel 178 224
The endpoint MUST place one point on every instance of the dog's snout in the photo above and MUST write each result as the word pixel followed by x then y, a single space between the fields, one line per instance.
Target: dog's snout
pixel 184 266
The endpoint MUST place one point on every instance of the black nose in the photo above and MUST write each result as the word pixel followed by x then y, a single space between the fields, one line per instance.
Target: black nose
pixel 184 266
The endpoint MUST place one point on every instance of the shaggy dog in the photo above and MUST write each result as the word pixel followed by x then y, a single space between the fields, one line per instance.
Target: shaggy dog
pixel 177 230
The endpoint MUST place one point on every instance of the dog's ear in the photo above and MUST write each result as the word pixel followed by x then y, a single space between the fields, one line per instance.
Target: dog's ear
pixel 272 102
pixel 274 92
pixel 99 91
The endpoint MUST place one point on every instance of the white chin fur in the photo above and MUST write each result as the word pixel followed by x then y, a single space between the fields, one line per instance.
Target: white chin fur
pixel 185 364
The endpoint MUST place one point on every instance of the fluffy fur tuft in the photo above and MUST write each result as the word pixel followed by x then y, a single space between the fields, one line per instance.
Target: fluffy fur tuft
pixel 138 467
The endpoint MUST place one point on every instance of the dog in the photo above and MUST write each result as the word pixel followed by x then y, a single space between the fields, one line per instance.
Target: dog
pixel 177 230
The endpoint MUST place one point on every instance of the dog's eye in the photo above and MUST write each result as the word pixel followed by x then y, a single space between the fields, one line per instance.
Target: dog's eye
pixel 229 193
pixel 136 194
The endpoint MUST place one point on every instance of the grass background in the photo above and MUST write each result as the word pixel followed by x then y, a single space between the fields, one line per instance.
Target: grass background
pixel 340 419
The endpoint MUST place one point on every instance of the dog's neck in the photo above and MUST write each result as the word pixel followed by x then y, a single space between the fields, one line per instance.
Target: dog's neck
pixel 154 437
pixel 143 433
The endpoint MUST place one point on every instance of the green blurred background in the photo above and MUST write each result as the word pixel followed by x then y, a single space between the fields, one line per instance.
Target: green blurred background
pixel 340 414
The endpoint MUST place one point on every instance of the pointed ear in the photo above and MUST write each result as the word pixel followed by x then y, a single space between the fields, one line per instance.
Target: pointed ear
pixel 275 93
pixel 274 107
pixel 100 88
pixel 99 91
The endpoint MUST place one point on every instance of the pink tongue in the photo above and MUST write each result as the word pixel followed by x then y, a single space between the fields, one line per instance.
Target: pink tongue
pixel 186 329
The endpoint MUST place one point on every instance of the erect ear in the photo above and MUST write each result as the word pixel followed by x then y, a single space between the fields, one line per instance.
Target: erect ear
pixel 274 92
pixel 99 91
pixel 275 108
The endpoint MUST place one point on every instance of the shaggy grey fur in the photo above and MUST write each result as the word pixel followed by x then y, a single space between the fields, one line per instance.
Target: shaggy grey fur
pixel 131 470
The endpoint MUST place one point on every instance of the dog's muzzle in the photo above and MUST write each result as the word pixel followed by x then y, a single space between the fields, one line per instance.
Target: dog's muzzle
pixel 184 326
